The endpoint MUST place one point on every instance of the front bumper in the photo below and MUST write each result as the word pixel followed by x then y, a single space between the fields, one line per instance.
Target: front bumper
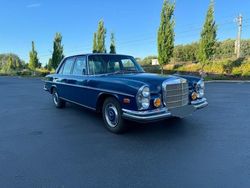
pixel 164 113
pixel 45 88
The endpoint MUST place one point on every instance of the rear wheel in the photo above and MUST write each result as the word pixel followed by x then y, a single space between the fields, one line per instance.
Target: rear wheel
pixel 59 103
pixel 112 116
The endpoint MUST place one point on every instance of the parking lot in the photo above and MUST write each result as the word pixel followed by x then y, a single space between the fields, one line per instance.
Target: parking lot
pixel 41 146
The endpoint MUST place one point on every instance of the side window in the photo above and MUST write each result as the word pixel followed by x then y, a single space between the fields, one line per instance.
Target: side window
pixel 80 66
pixel 68 66
pixel 128 64
pixel 113 67
pixel 96 67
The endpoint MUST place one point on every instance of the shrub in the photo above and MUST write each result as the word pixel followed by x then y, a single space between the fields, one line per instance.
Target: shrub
pixel 24 72
pixel 152 69
pixel 245 68
pixel 42 72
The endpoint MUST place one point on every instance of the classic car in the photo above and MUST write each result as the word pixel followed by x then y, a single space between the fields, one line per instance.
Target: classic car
pixel 118 87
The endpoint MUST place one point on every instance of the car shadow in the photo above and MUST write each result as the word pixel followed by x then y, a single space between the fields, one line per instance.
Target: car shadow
pixel 171 126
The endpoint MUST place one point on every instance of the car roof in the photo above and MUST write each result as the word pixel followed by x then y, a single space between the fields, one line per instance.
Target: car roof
pixel 98 54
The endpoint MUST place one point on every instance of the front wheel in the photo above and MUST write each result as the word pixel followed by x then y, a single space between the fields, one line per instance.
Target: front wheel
pixel 59 103
pixel 112 116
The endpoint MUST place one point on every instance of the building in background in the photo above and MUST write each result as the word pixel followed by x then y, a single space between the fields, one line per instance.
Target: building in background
pixel 155 62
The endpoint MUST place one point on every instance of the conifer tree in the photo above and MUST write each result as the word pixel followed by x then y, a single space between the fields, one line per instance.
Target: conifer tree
pixel 166 34
pixel 95 43
pixel 101 36
pixel 57 54
pixel 207 44
pixel 112 45
pixel 33 61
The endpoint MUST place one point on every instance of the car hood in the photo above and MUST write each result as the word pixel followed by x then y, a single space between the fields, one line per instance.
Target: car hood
pixel 154 81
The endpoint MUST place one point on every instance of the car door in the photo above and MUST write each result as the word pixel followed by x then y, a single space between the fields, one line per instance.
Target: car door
pixel 78 80
pixel 63 79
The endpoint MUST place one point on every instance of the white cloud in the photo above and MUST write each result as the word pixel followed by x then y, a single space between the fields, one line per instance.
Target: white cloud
pixel 33 5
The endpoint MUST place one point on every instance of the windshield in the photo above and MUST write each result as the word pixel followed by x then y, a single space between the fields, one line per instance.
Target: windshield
pixel 112 64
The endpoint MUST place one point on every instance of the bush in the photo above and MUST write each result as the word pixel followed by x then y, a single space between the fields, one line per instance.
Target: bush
pixel 245 68
pixel 42 72
pixel 192 67
pixel 237 71
pixel 152 69
pixel 26 72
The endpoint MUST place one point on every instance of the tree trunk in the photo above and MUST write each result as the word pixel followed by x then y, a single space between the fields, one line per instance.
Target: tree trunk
pixel 162 71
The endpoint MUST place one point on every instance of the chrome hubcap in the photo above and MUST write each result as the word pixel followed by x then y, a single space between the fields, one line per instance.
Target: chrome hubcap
pixel 111 115
pixel 55 98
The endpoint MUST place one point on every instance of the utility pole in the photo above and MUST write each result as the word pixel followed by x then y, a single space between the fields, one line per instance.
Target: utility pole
pixel 238 40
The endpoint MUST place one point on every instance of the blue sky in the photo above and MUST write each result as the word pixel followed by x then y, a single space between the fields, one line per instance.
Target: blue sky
pixel 134 23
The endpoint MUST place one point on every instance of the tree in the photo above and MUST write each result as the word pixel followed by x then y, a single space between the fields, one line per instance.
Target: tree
pixel 101 36
pixel 9 65
pixel 147 61
pixel 112 45
pixel 207 44
pixel 184 53
pixel 49 65
pixel 166 34
pixel 11 61
pixel 57 54
pixel 33 61
pixel 95 43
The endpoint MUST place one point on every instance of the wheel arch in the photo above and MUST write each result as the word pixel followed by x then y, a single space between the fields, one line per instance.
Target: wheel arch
pixel 102 97
pixel 52 88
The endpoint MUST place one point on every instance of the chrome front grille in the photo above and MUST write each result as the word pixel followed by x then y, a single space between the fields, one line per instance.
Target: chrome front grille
pixel 175 93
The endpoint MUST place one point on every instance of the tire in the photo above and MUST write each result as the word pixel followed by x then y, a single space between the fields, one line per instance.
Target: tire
pixel 59 103
pixel 112 116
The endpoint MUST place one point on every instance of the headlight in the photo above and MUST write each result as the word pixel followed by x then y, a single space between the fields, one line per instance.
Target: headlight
pixel 200 88
pixel 143 98
pixel 145 103
pixel 145 92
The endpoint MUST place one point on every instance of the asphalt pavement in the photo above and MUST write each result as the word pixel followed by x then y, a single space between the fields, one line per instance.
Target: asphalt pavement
pixel 41 146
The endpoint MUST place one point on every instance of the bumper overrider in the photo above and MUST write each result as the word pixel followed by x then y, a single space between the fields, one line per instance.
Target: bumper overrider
pixel 164 113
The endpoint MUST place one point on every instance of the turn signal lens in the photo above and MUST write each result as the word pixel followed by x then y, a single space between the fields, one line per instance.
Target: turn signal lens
pixel 157 102
pixel 126 101
pixel 194 96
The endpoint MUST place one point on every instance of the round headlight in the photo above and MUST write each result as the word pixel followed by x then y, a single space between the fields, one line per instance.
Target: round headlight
pixel 145 103
pixel 200 84
pixel 200 87
pixel 201 93
pixel 143 98
pixel 145 92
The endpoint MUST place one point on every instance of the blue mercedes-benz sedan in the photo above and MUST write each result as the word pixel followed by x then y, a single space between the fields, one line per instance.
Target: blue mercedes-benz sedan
pixel 118 87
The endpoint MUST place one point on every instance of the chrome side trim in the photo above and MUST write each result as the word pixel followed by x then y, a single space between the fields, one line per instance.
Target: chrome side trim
pixel 77 103
pixel 87 87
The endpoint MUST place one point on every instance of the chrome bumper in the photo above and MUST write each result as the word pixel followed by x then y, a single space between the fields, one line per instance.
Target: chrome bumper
pixel 200 103
pixel 164 113
pixel 45 88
